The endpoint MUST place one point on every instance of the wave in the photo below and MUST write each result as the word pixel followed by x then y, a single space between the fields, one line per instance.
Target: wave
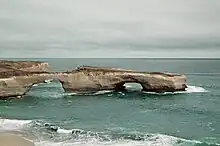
pixel 195 89
pixel 129 88
pixel 88 138
pixel 48 81
pixel 189 89
pixel 161 141
pixel 45 82
pixel 50 135
pixel 92 93
pixel 12 124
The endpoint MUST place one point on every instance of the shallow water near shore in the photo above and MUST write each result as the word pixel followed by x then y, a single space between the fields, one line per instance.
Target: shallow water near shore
pixel 124 118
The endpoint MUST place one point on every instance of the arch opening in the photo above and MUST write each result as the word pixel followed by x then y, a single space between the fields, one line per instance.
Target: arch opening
pixel 47 88
pixel 129 86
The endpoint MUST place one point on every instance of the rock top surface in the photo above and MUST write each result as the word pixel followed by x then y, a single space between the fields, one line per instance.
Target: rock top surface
pixel 19 68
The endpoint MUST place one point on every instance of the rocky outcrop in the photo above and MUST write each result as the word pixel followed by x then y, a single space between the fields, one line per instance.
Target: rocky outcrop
pixel 17 78
pixel 31 66
pixel 86 79
pixel 17 86
pixel 21 68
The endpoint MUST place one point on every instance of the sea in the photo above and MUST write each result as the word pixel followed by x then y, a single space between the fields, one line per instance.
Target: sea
pixel 52 117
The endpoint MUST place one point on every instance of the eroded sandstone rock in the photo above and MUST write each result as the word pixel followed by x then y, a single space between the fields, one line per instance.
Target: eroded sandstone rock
pixel 86 79
pixel 22 68
pixel 17 86
pixel 17 78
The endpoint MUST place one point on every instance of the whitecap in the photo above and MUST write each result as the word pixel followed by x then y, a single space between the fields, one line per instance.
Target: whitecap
pixel 35 85
pixel 69 94
pixel 93 93
pixel 102 92
pixel 48 81
pixel 89 138
pixel 195 89
pixel 154 140
pixel 64 131
pixel 121 93
pixel 189 89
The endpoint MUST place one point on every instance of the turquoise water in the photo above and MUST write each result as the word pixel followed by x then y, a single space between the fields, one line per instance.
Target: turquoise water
pixel 122 118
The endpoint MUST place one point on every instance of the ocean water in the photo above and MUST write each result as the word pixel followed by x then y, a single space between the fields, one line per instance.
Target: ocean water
pixel 129 118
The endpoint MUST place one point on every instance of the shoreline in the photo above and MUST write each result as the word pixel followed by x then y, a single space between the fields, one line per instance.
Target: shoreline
pixel 14 139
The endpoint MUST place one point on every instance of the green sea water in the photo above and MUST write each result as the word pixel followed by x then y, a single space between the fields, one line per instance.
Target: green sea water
pixel 121 118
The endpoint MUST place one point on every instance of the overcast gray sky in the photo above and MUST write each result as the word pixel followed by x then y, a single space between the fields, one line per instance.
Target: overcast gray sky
pixel 109 28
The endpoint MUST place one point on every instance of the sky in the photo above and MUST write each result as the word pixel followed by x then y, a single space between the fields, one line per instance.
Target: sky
pixel 109 28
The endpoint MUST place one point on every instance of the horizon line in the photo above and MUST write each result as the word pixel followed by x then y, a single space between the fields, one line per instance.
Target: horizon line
pixel 155 58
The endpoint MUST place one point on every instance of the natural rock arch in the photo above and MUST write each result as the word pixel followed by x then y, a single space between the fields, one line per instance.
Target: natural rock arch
pixel 86 79
pixel 129 85
pixel 83 79
pixel 55 84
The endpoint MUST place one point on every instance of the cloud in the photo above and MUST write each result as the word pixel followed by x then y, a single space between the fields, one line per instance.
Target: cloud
pixel 142 28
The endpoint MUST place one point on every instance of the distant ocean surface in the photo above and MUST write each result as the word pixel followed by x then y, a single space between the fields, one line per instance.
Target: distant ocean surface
pixel 130 118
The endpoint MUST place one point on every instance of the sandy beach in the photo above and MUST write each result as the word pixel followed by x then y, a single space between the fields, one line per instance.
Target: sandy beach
pixel 10 139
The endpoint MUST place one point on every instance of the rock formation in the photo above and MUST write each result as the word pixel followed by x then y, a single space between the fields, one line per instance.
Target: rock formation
pixel 85 79
pixel 16 78
pixel 21 68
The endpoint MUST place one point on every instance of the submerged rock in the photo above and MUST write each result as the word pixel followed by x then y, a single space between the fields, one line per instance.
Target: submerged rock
pixel 17 78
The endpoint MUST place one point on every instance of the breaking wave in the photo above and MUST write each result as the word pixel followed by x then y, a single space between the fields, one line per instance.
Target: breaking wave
pixel 55 93
pixel 8 124
pixel 195 89
pixel 189 89
pixel 51 135
pixel 92 93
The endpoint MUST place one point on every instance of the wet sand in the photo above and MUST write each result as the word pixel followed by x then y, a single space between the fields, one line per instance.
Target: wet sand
pixel 10 139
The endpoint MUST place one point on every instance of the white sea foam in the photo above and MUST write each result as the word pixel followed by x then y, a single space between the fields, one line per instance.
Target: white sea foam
pixel 103 92
pixel 189 89
pixel 45 81
pixel 12 124
pixel 121 93
pixel 64 131
pixel 48 81
pixel 155 140
pixel 35 85
pixel 195 89
pixel 95 93
pixel 86 140
pixel 68 94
